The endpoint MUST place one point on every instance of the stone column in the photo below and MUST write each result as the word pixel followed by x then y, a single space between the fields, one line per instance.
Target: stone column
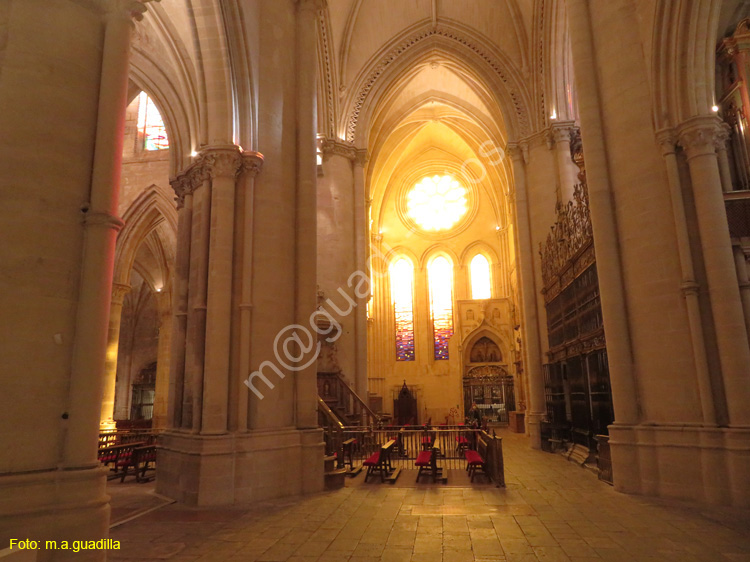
pixel 180 285
pixel 110 364
pixel 161 390
pixel 361 252
pixel 667 141
pixel 252 162
pixel 306 386
pixel 723 136
pixel 532 347
pixel 192 398
pixel 609 265
pixel 699 137
pixel 224 164
pixel 338 251
pixel 567 171
pixel 58 230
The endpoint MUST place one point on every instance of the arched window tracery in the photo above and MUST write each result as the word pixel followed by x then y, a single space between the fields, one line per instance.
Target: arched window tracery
pixel 402 296
pixel 440 276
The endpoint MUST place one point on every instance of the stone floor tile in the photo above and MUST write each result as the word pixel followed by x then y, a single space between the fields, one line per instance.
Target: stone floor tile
pixel 451 555
pixel 396 555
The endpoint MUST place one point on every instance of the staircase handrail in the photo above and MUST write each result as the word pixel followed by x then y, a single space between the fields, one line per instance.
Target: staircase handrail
pixel 374 418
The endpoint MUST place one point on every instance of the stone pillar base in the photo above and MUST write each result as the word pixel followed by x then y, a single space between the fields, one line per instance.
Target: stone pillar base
pixel 55 505
pixel 239 467
pixel 704 464
pixel 533 426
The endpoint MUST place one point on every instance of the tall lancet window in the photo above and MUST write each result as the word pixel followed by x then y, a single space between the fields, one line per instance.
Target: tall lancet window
pixel 440 274
pixel 481 286
pixel 150 124
pixel 402 294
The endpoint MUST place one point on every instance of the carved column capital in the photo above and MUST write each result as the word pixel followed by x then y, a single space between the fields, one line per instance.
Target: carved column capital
pixel 722 136
pixel 252 163
pixel 336 147
pixel 699 136
pixel 128 9
pixel 667 140
pixel 221 161
pixel 119 290
pixel 519 152
pixel 362 157
pixel 561 131
pixel 187 181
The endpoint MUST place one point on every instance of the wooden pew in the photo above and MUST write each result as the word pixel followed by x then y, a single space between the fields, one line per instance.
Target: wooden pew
pixel 427 464
pixel 120 456
pixel 475 459
pixel 380 461
pixel 139 461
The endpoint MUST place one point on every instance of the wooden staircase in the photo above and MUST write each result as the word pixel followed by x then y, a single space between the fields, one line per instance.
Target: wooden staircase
pixel 345 404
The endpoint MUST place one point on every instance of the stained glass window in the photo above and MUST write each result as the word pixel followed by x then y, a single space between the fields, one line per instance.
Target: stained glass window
pixel 402 283
pixel 481 286
pixel 150 124
pixel 440 274
pixel 436 203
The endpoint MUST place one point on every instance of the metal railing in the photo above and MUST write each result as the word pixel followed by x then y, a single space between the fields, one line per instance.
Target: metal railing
pixel 452 441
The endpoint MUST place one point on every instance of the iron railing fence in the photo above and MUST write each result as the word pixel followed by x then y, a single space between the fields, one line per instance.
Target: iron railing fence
pixel 410 441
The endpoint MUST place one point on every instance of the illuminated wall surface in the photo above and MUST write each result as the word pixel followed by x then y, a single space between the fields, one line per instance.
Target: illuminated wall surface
pixel 151 125
pixel 480 278
pixel 440 273
pixel 402 294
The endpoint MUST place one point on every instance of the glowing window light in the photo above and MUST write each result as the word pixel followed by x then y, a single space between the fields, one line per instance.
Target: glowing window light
pixel 151 125
pixel 440 274
pixel 436 203
pixel 402 283
pixel 481 287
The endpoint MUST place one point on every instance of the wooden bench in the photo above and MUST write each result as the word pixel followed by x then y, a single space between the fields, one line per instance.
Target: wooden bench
pixel 427 464
pixel 120 456
pixel 475 459
pixel 462 443
pixel 139 461
pixel 347 453
pixel 428 440
pixel 380 461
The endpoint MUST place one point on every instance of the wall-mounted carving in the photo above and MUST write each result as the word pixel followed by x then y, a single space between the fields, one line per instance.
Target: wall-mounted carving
pixel 485 351
pixel 570 236
pixel 486 372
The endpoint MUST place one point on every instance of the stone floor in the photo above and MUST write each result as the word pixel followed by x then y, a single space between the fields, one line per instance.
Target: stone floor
pixel 551 510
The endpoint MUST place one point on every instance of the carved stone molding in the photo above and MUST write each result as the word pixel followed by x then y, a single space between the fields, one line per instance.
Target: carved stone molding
pixel 690 287
pixel 215 162
pixel 103 219
pixel 335 147
pixel 699 136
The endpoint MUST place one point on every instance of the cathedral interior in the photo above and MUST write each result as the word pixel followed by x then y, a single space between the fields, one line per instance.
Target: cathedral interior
pixel 303 250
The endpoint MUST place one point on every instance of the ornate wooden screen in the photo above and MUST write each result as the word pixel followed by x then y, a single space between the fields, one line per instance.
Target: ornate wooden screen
pixel 577 389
